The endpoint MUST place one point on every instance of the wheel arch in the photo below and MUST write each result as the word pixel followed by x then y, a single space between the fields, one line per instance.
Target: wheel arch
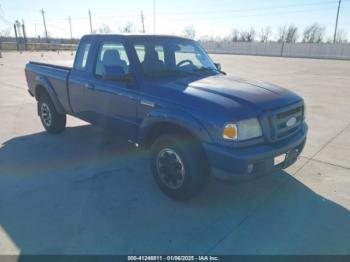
pixel 43 86
pixel 164 121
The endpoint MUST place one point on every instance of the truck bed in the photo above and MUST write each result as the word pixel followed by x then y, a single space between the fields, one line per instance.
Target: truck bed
pixel 57 76
pixel 51 65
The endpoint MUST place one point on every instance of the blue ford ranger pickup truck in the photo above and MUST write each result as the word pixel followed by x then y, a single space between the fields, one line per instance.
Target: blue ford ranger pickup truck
pixel 165 94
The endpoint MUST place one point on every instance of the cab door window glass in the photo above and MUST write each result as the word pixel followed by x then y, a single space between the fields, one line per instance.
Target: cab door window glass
pixel 112 56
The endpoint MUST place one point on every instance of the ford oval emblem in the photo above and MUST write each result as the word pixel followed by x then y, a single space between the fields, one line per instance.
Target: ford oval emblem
pixel 291 122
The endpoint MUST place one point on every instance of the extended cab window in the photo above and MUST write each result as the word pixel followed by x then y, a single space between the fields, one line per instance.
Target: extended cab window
pixel 82 56
pixel 112 59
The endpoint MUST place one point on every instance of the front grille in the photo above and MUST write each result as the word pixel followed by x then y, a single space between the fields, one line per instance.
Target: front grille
pixel 287 133
pixel 290 112
pixel 275 122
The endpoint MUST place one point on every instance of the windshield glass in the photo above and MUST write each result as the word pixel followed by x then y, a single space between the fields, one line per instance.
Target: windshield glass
pixel 173 57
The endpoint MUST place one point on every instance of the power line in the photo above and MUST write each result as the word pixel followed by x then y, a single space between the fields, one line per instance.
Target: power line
pixel 209 15
pixel 119 17
pixel 2 17
pixel 204 12
pixel 255 15
pixel 247 9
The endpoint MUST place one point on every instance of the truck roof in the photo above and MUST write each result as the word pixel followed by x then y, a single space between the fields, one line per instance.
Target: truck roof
pixel 132 36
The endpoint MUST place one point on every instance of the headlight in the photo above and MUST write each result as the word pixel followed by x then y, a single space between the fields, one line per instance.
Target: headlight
pixel 242 130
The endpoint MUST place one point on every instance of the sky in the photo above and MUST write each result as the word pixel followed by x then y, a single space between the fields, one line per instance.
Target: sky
pixel 208 17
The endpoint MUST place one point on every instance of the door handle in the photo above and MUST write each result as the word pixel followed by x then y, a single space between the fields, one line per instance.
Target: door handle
pixel 89 86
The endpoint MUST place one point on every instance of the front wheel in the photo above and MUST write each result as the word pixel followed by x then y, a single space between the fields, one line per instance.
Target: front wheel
pixel 53 121
pixel 179 166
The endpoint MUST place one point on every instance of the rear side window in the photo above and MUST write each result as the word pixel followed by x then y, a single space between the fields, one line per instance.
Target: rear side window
pixel 82 56
pixel 111 55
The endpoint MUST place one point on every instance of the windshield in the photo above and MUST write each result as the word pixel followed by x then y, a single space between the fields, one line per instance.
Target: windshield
pixel 173 57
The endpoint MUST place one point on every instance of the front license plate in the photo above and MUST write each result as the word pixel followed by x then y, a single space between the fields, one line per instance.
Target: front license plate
pixel 279 159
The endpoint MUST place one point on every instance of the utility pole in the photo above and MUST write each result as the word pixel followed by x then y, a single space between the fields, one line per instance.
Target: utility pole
pixel 143 22
pixel 336 23
pixel 46 35
pixel 16 35
pixel 0 38
pixel 24 35
pixel 70 29
pixel 154 16
pixel 90 22
pixel 0 47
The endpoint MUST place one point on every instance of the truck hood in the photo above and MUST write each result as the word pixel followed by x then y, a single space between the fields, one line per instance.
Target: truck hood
pixel 237 92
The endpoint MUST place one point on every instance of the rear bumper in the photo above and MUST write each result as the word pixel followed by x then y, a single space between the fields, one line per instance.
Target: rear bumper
pixel 256 159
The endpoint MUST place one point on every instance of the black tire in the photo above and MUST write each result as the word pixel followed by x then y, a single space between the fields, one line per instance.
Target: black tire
pixel 52 121
pixel 191 155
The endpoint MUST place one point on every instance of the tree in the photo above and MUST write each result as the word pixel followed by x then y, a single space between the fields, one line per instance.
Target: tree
pixel 341 37
pixel 265 34
pixel 247 36
pixel 292 34
pixel 129 27
pixel 206 38
pixel 189 32
pixel 8 26
pixel 313 33
pixel 5 32
pixel 287 34
pixel 234 35
pixel 104 29
pixel 251 35
pixel 282 33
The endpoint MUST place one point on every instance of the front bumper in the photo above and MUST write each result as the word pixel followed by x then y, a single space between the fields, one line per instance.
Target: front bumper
pixel 256 159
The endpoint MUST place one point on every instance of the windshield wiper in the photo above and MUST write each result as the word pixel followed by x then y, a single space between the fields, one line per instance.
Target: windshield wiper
pixel 209 69
pixel 205 69
pixel 177 72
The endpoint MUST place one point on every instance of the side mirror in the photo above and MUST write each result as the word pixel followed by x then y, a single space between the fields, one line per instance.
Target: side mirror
pixel 218 66
pixel 116 73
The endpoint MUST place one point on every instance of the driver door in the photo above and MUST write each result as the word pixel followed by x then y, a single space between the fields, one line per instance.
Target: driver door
pixel 114 102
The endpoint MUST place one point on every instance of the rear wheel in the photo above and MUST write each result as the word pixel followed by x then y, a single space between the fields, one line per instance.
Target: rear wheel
pixel 179 166
pixel 53 121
